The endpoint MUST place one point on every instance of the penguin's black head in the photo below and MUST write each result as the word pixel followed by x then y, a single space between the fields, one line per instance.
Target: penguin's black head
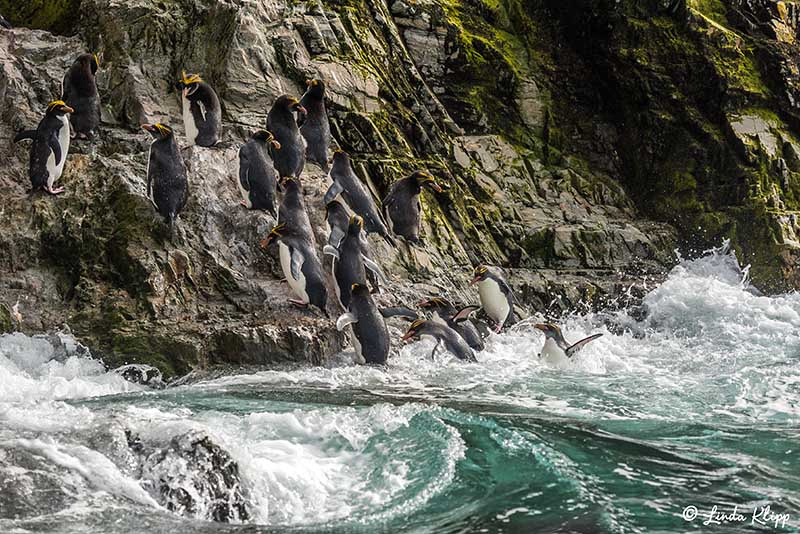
pixel 289 103
pixel 480 273
pixel 276 233
pixel 316 87
pixel 266 137
pixel 89 62
pixel 356 225
pixel 550 330
pixel 359 290
pixel 158 130
pixel 423 178
pixel 58 107
pixel 416 328
pixel 340 157
pixel 436 303
pixel 290 182
pixel 188 83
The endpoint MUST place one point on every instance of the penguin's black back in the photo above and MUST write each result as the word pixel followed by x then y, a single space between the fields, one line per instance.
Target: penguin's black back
pixel 209 127
pixel 166 175
pixel 80 93
pixel 291 158
pixel 349 268
pixel 338 220
pixel 357 197
pixel 469 333
pixel 370 330
pixel 451 340
pixel 260 174
pixel 402 207
pixel 316 129
pixel 293 212
pixel 314 275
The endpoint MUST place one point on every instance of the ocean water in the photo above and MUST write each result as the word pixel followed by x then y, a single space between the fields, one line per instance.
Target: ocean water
pixel 650 427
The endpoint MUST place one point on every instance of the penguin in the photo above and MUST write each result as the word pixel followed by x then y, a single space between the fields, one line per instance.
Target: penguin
pixel 292 210
pixel 346 183
pixel 445 313
pixel 291 158
pixel 497 299
pixel 444 335
pixel 401 206
pixel 167 185
pixel 50 147
pixel 79 91
pixel 300 266
pixel 316 129
pixel 202 114
pixel 255 173
pixel 338 219
pixel 368 330
pixel 350 263
pixel 556 349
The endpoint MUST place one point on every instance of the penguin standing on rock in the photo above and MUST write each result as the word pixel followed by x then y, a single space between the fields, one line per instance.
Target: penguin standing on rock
pixel 167 185
pixel 256 174
pixel 50 147
pixel 401 205
pixel 316 130
pixel 369 334
pixel 300 266
pixel 79 91
pixel 338 220
pixel 346 183
pixel 443 334
pixel 445 313
pixel 556 349
pixel 291 158
pixel 292 210
pixel 202 114
pixel 497 299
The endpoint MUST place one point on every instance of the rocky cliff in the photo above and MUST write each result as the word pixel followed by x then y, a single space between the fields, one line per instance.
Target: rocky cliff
pixel 581 145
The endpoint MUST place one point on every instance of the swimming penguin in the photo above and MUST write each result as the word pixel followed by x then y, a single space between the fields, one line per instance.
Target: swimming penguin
pixel 255 173
pixel 291 158
pixel 167 186
pixel 497 299
pixel 401 205
pixel 346 183
pixel 443 334
pixel 556 350
pixel 292 210
pixel 350 263
pixel 369 334
pixel 444 312
pixel 79 91
pixel 300 266
pixel 202 115
pixel 50 147
pixel 316 130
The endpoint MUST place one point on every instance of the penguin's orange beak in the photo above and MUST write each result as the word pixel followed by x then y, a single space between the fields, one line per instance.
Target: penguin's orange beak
pixel 408 335
pixel 276 144
pixel 424 303
pixel 541 326
pixel 436 187
pixel 265 243
pixel 148 127
pixel 67 109
pixel 475 280
pixel 301 109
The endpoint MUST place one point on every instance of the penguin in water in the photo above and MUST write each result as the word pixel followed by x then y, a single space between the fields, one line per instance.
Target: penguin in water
pixel 369 334
pixel 79 91
pixel 292 210
pixel 497 299
pixel 256 174
pixel 50 147
pixel 444 335
pixel 315 129
pixel 202 114
pixel 300 266
pixel 346 183
pixel 444 312
pixel 350 263
pixel 167 185
pixel 291 158
pixel 556 349
pixel 401 205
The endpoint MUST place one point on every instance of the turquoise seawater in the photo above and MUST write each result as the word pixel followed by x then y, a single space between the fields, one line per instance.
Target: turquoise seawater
pixel 693 403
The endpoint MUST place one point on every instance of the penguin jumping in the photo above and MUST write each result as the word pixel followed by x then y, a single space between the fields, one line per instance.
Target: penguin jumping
pixel 556 349
pixel 316 130
pixel 444 312
pixel 167 185
pixel 346 183
pixel 202 114
pixel 350 263
pixel 300 266
pixel 497 299
pixel 79 91
pixel 50 147
pixel 291 158
pixel 369 334
pixel 401 205
pixel 444 335
pixel 255 172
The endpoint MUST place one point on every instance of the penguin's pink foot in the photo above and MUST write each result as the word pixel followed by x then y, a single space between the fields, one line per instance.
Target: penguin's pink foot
pixel 498 328
pixel 243 203
pixel 56 191
pixel 299 303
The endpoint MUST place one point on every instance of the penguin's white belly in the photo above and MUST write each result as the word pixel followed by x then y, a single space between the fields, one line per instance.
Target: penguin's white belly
pixel 553 354
pixel 493 300
pixel 245 193
pixel 297 286
pixel 54 171
pixel 188 122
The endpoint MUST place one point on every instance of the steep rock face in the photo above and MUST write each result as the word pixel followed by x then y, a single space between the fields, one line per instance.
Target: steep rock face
pixel 495 99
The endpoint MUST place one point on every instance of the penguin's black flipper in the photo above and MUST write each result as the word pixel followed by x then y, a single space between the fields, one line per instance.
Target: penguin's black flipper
pixel 55 146
pixel 333 191
pixel 344 320
pixel 464 313
pixel 330 250
pixel 336 237
pixel 244 171
pixel 575 347
pixel 25 134
pixel 296 262
pixel 400 311
pixel 375 268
